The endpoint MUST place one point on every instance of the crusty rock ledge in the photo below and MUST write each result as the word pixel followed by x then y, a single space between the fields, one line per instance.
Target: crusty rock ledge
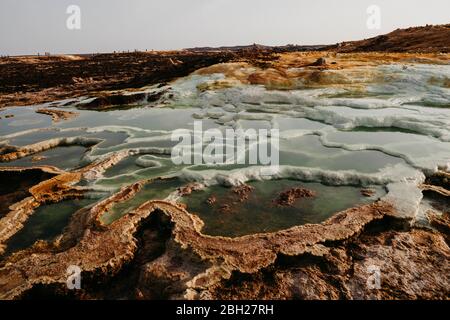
pixel 413 264
pixel 11 153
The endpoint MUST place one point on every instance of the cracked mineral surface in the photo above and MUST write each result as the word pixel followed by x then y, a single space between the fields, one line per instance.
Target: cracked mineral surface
pixel 362 183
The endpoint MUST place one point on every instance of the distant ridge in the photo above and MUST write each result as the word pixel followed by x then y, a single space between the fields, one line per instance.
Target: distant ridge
pixel 286 48
pixel 430 38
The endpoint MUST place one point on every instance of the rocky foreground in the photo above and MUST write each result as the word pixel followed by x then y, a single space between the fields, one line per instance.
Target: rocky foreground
pixel 159 251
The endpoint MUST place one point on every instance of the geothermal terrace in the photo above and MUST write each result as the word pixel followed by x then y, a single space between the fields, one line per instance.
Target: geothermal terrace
pixel 363 179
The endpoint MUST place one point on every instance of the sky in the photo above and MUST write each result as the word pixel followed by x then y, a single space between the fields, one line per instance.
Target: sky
pixel 32 26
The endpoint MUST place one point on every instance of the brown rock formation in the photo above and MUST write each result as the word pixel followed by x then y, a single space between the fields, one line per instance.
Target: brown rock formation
pixel 367 192
pixel 417 39
pixel 319 62
pixel 189 188
pixel 288 197
pixel 441 223
pixel 409 263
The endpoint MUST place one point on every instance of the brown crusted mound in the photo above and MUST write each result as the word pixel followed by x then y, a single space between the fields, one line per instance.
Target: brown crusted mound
pixel 189 188
pixel 441 223
pixel 235 196
pixel 288 197
pixel 367 192
pixel 242 192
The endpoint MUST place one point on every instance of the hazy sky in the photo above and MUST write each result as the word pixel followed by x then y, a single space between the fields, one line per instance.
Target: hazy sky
pixel 31 26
